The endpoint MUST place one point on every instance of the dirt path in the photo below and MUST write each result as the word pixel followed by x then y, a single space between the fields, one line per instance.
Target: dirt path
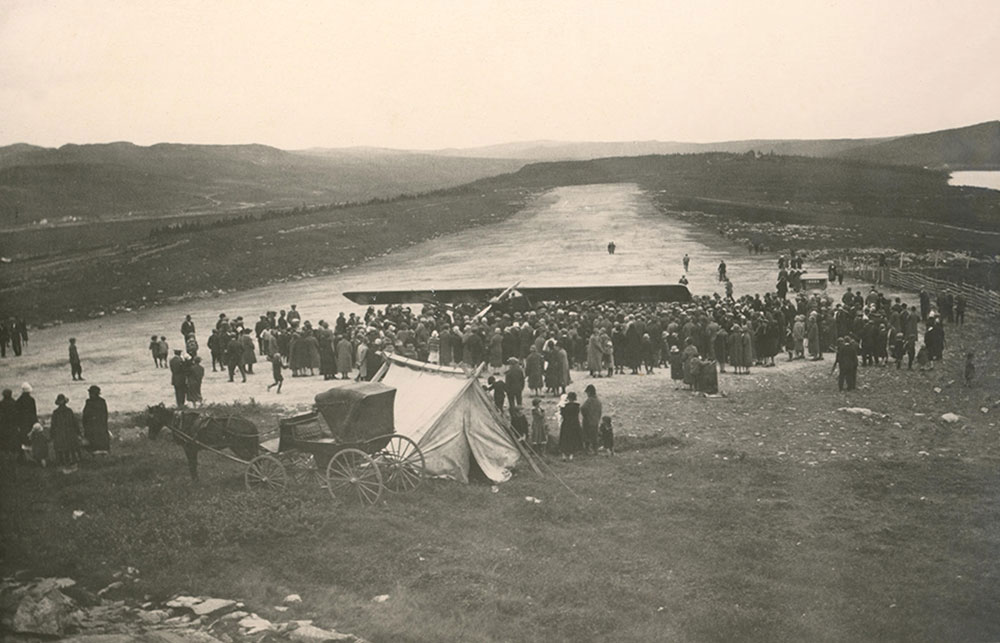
pixel 560 239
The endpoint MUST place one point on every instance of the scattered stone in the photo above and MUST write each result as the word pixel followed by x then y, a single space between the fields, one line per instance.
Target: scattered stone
pixel 983 409
pixel 254 624
pixel 950 418
pixel 311 634
pixel 381 598
pixel 212 606
pixel 153 616
pixel 115 585
pixel 183 601
pixel 235 616
pixel 292 598
pixel 857 410
pixel 48 612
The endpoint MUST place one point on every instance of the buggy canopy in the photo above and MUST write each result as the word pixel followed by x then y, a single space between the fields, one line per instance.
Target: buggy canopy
pixel 357 411
pixel 453 421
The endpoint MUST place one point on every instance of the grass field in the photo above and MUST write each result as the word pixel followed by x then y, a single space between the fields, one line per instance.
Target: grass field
pixel 767 515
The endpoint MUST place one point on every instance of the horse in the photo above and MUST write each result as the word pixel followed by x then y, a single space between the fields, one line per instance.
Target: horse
pixel 192 430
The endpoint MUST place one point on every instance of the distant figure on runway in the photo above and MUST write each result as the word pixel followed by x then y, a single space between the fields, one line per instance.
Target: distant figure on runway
pixel 686 260
pixel 75 368
pixel 611 247
pixel 722 270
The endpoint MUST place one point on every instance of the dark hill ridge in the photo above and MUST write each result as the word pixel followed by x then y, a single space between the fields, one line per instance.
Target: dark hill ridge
pixel 116 179
pixel 976 147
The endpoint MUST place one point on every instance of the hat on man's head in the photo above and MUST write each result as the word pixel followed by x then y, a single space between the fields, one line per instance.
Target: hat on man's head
pixel 61 399
pixel 94 388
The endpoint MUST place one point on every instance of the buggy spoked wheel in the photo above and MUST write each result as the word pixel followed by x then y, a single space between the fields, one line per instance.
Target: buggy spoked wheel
pixel 353 475
pixel 402 464
pixel 265 472
pixel 302 469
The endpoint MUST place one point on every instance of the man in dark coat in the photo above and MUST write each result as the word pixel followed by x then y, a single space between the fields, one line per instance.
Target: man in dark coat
pixel 178 377
pixel 75 367
pixel 65 434
pixel 27 415
pixel 514 379
pixel 10 441
pixel 847 360
pixel 95 422
pixel 187 326
pixel 234 358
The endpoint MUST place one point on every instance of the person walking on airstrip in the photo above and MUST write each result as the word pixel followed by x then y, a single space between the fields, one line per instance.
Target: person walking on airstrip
pixel 75 367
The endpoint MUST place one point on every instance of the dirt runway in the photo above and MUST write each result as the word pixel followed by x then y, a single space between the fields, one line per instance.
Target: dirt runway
pixel 559 239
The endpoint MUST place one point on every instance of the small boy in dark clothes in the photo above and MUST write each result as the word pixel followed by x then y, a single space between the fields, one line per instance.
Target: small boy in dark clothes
pixel 607 435
pixel 499 391
pixel 519 423
pixel 276 367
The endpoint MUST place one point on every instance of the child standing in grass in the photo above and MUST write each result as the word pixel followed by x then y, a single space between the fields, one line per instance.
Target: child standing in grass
pixel 39 445
pixel 276 367
pixel 539 433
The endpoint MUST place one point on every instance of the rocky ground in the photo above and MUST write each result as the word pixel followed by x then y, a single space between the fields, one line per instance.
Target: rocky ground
pixel 40 609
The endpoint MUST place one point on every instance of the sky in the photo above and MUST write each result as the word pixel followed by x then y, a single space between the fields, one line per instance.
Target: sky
pixel 430 74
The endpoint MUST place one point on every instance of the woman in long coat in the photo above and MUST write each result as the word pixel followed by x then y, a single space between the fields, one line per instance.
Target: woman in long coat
pixel 496 349
pixel 735 349
pixel 65 433
pixel 310 352
pixel 345 357
pixel 27 413
pixel 591 411
pixel 95 421
pixel 553 370
pixel 812 331
pixel 534 366
pixel 594 354
pixel 570 431
pixel 747 356
pixel 327 359
pixel 563 359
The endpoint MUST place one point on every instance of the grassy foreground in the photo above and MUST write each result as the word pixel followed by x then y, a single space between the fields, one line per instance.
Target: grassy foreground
pixel 767 515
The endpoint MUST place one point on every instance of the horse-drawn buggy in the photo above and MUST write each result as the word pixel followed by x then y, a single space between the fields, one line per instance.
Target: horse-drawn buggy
pixel 347 445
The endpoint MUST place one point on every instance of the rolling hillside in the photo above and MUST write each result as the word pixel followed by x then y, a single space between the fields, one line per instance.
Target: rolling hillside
pixel 976 147
pixel 114 180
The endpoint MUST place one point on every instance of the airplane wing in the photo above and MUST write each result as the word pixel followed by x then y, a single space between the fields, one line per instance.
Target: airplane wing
pixel 648 293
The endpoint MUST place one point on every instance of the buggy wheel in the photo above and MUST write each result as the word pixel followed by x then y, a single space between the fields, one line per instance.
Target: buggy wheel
pixel 302 468
pixel 265 472
pixel 352 474
pixel 402 464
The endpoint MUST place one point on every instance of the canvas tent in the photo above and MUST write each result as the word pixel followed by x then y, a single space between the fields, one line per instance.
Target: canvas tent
pixel 453 421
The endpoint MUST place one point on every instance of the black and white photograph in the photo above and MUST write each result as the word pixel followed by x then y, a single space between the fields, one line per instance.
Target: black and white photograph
pixel 499 321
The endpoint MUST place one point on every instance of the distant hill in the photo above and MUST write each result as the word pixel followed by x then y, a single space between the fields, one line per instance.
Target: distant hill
pixel 118 179
pixel 976 147
pixel 569 151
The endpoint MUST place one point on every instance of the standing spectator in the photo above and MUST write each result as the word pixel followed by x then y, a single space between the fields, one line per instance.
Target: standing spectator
pixel 591 410
pixel 570 440
pixel 39 442
pixel 164 350
pixel 960 304
pixel 234 358
pixel 514 381
pixel 195 375
pixel 499 390
pixel 191 345
pixel 154 349
pixel 178 377
pixel 248 357
pixel 534 366
pixel 15 337
pixel 293 315
pixel 65 435
pixel 27 415
pixel 539 434
pixel 187 326
pixel 215 348
pixel 75 367
pixel 10 440
pixel 847 360
pixel 345 357
pixel 722 270
pixel 687 261
pixel 95 422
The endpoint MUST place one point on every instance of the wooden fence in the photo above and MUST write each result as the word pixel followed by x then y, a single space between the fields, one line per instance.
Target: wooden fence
pixel 979 299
